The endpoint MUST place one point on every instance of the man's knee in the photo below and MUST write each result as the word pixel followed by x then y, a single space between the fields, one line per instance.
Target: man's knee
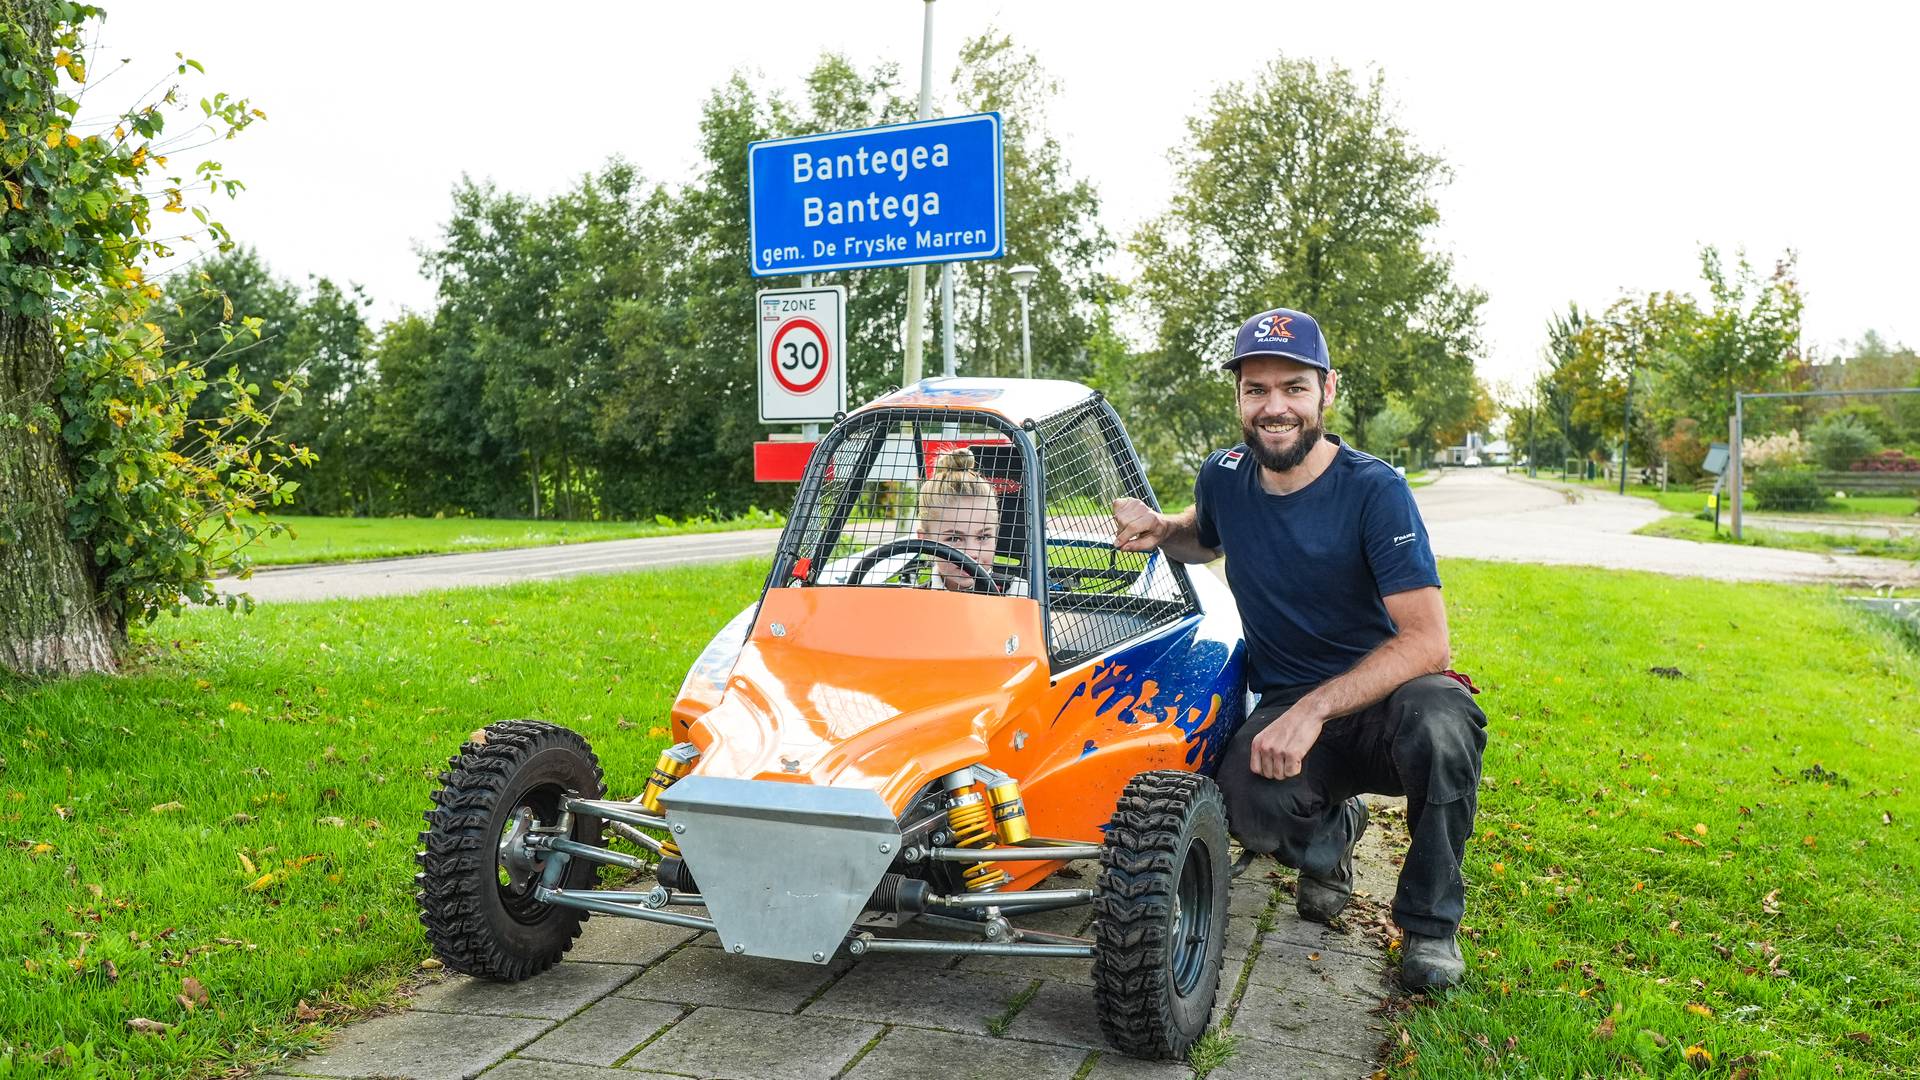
pixel 1440 734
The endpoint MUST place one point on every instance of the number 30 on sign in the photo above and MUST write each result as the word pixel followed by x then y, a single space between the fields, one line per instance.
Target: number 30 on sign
pixel 803 361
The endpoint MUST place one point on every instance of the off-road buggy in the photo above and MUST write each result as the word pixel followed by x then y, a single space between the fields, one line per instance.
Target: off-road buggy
pixel 900 731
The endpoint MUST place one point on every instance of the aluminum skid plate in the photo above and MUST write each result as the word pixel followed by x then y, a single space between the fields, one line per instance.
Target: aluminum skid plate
pixel 784 868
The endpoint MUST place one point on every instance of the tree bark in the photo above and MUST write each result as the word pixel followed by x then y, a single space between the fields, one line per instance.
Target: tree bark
pixel 52 621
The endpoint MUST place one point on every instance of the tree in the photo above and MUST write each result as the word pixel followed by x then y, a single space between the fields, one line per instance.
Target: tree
pixel 1746 339
pixel 115 504
pixel 1298 189
pixel 1052 221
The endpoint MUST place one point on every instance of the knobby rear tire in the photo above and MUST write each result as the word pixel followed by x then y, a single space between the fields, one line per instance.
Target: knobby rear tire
pixel 475 922
pixel 1156 965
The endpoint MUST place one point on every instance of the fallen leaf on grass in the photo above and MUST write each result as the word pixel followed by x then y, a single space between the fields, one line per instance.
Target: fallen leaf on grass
pixel 246 863
pixel 1770 903
pixel 1699 1058
pixel 1605 1030
pixel 1699 828
pixel 192 994
pixel 260 882
pixel 430 964
pixel 1860 1036
pixel 1698 1009
pixel 332 822
pixel 148 1027
pixel 304 1013
pixel 168 807
pixel 1658 1039
pixel 479 735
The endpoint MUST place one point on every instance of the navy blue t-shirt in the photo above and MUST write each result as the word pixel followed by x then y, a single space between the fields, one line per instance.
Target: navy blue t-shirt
pixel 1308 569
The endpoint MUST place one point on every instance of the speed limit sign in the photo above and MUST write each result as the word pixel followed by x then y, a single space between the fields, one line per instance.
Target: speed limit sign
pixel 803 363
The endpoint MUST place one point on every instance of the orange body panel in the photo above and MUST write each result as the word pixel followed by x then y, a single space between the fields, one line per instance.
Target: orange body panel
pixel 888 689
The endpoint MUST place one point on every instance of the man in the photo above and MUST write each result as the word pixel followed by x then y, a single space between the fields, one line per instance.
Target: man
pixel 1329 564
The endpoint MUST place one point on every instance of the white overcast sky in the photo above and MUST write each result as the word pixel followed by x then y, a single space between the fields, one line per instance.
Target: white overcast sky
pixel 1595 146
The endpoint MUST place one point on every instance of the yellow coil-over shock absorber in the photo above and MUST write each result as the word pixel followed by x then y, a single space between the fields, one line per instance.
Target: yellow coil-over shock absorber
pixel 971 823
pixel 674 762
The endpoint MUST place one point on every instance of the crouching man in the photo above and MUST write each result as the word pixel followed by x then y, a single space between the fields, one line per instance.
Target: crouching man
pixel 1328 561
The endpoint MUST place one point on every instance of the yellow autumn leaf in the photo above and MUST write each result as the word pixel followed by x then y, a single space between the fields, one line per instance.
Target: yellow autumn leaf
pixel 1700 828
pixel 53 137
pixel 160 160
pixel 39 849
pixel 261 882
pixel 73 142
pixel 1698 1009
pixel 246 863
pixel 62 58
pixel 1499 868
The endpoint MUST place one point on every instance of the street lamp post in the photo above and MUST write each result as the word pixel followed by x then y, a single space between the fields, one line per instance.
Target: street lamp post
pixel 1023 276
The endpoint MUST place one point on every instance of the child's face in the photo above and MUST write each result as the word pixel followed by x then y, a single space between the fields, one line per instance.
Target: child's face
pixel 967 523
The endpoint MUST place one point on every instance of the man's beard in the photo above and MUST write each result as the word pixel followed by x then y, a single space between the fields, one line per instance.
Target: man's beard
pixel 1304 440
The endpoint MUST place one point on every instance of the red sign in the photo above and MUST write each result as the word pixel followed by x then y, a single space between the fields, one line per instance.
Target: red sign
pixel 780 462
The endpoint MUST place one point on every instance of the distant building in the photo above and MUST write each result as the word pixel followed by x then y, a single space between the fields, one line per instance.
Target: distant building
pixel 1476 450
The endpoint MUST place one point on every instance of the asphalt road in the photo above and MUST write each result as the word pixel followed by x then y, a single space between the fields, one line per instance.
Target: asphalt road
pixel 1470 513
pixel 1485 514
pixel 394 577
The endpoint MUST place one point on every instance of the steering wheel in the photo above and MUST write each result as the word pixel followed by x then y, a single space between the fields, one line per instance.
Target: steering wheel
pixel 982 580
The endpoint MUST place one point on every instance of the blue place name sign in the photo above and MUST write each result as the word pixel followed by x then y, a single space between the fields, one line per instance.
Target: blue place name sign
pixel 926 192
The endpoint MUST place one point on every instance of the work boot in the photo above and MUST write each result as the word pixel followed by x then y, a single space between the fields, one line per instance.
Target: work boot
pixel 1430 963
pixel 1321 900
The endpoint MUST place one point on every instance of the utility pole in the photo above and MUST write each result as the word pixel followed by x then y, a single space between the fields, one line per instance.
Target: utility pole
pixel 917 273
pixel 1626 420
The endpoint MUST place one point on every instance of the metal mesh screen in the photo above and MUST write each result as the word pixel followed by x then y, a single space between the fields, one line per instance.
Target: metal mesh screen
pixel 917 499
pixel 1098 596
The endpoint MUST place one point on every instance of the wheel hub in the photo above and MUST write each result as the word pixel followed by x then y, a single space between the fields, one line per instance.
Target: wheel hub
pixel 517 860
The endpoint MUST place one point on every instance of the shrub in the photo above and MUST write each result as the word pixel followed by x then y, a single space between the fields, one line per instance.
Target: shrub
pixel 1782 450
pixel 1684 450
pixel 1792 488
pixel 1840 440
pixel 1888 461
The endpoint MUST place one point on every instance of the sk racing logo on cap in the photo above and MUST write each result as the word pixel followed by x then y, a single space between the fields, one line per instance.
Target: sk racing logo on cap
pixel 1274 327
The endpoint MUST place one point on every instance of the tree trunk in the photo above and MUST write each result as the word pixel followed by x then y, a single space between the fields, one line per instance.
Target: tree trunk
pixel 52 621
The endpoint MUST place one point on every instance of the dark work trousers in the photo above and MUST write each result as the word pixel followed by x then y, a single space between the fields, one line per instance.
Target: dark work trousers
pixel 1424 741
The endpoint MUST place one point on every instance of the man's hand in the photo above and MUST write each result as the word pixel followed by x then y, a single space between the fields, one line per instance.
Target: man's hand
pixel 1281 748
pixel 1138 527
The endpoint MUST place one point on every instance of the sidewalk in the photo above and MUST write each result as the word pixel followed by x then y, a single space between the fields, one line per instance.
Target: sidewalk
pixel 636 1000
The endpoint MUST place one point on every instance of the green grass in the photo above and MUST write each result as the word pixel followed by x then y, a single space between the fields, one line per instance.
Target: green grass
pixel 1686 527
pixel 1647 844
pixel 301 742
pixel 1688 501
pixel 330 539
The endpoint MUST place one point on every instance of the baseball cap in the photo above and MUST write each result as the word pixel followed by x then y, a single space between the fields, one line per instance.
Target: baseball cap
pixel 1282 332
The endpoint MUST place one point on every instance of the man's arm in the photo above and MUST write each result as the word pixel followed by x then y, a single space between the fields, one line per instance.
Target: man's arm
pixel 1418 647
pixel 1139 527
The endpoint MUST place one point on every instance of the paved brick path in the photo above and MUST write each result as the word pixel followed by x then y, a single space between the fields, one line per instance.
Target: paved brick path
pixel 636 1000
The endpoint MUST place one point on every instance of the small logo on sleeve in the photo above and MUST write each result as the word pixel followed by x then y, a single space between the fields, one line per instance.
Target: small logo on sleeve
pixel 1231 459
pixel 1406 538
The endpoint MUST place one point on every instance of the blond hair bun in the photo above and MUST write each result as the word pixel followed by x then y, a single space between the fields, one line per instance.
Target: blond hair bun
pixel 955 477
pixel 950 465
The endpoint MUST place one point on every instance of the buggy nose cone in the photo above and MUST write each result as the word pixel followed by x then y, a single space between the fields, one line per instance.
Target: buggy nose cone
pixel 784 868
